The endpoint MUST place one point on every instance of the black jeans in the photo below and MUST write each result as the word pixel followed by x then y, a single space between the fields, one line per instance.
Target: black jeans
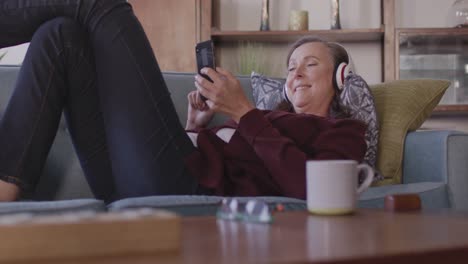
pixel 92 60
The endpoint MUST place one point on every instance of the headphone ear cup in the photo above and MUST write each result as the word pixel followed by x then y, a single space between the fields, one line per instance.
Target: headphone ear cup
pixel 285 93
pixel 342 71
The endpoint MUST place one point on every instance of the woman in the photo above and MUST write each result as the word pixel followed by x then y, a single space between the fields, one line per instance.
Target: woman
pixel 92 59
pixel 264 153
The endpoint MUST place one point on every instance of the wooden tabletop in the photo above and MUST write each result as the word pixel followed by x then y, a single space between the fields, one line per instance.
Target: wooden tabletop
pixel 368 236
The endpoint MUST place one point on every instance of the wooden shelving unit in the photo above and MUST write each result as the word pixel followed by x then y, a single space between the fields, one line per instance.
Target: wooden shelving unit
pixel 342 35
pixel 384 35
pixel 433 31
pixel 451 109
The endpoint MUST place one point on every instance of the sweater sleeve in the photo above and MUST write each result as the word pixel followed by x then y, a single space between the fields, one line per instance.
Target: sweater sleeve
pixel 285 160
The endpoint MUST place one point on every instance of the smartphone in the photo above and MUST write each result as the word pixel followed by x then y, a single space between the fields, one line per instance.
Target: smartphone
pixel 205 58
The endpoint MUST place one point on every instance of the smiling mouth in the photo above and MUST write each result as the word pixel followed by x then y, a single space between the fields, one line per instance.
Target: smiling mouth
pixel 302 87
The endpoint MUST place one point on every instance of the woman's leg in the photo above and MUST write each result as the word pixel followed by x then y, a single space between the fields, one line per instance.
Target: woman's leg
pixel 58 73
pixel 146 141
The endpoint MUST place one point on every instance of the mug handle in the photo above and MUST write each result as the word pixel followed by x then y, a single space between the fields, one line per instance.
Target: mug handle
pixel 369 177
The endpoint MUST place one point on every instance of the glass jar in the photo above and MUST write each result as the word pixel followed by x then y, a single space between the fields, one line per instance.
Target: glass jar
pixel 458 14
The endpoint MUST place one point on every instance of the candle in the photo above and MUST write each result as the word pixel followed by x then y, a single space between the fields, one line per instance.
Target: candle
pixel 298 20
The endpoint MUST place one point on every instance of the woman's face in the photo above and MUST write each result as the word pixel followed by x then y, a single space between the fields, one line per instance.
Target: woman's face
pixel 309 81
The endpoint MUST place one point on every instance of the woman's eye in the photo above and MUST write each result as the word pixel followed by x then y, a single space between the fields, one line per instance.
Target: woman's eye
pixel 311 64
pixel 291 69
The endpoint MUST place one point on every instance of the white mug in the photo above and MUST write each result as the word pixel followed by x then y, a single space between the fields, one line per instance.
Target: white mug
pixel 332 185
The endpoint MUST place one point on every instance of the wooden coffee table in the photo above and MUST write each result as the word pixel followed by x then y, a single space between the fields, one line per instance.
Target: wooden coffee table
pixel 369 236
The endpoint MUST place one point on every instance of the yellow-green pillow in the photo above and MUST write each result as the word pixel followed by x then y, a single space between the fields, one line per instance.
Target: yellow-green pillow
pixel 402 106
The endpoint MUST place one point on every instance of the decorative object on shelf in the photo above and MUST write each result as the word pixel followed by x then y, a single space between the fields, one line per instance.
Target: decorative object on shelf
pixel 458 14
pixel 251 58
pixel 335 14
pixel 265 23
pixel 298 20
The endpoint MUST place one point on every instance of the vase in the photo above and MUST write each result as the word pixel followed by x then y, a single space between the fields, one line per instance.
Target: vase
pixel 458 14
pixel 265 23
pixel 335 14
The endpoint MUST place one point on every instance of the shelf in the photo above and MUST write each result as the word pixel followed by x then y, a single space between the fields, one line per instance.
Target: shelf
pixel 450 108
pixel 436 36
pixel 340 35
pixel 433 31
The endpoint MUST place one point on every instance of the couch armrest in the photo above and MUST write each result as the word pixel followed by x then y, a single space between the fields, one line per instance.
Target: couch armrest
pixel 439 156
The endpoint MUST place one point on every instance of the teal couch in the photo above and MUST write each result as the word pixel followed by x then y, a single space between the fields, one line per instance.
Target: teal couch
pixel 435 166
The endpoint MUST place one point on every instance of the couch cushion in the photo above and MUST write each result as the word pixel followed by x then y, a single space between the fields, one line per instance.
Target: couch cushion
pixel 8 75
pixel 189 205
pixel 432 194
pixel 35 207
pixel 402 106
pixel 62 177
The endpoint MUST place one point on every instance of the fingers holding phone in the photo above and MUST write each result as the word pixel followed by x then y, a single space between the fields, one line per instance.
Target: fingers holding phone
pixel 224 89
pixel 225 93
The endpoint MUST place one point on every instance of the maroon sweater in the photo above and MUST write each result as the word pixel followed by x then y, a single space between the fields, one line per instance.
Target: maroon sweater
pixel 268 152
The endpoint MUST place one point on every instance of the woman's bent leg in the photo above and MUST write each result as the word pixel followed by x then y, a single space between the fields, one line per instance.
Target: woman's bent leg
pixel 58 72
pixel 147 144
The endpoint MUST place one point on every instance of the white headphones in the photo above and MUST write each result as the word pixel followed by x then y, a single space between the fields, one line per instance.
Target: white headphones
pixel 343 70
pixel 339 74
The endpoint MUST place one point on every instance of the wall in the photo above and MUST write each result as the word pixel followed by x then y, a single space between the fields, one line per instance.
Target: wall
pixel 422 13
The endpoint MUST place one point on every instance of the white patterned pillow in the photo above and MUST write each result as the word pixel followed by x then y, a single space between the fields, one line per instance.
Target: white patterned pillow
pixel 357 98
pixel 267 92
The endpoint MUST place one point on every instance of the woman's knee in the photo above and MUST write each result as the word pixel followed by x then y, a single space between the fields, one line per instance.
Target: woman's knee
pixel 60 33
pixel 93 12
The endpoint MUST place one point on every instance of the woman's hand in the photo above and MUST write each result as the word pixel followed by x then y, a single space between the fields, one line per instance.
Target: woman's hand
pixel 199 114
pixel 224 94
